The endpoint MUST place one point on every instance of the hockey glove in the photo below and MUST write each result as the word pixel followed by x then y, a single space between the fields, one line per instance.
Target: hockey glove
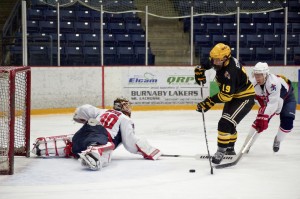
pixel 261 122
pixel 205 105
pixel 200 75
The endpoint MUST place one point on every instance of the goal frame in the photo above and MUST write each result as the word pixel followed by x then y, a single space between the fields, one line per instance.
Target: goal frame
pixel 12 72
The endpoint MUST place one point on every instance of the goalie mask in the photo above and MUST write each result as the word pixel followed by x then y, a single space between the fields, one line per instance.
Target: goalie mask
pixel 220 55
pixel 123 105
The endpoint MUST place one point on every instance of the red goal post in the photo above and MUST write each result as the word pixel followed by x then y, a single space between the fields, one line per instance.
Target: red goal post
pixel 14 115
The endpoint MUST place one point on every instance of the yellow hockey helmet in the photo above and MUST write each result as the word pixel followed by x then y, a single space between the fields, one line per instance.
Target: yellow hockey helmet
pixel 220 51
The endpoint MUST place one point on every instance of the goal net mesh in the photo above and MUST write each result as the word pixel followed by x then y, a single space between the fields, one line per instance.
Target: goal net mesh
pixel 19 108
pixel 175 8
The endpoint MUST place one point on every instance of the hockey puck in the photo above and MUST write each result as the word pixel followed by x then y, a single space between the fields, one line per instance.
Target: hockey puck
pixel 192 170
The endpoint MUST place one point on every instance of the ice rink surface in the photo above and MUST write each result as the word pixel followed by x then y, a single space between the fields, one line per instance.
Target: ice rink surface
pixel 261 174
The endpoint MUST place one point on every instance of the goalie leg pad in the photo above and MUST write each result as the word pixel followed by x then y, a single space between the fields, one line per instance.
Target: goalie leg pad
pixel 54 146
pixel 149 152
pixel 97 157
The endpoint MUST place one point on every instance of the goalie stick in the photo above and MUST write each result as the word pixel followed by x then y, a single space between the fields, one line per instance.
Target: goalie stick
pixel 245 148
pixel 197 156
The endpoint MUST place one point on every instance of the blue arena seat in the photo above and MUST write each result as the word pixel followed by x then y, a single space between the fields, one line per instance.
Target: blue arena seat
pixel 296 28
pixel 91 55
pixel 126 55
pixel 260 17
pixel 279 54
pixel 38 56
pixel 214 28
pixel 74 39
pixel 272 40
pixel 124 40
pixel 203 40
pixel 246 18
pixel 83 27
pixel 227 19
pixel 247 28
pixel 74 56
pixel 96 16
pixel 199 28
pixel 247 54
pixel 67 27
pixel 264 28
pixel 117 28
pixel 279 28
pixel 292 40
pixel 255 40
pixel 67 15
pixel 233 40
pixel 48 26
pixel 220 39
pixel 276 16
pixel 33 26
pixel 294 17
pixel 139 40
pixel 50 15
pixel 91 39
pixel 35 14
pixel 84 15
pixel 264 54
pixel 133 28
pixel 229 28
pixel 110 56
pixel 109 40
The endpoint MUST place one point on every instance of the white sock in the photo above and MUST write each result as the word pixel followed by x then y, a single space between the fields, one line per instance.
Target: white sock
pixel 281 134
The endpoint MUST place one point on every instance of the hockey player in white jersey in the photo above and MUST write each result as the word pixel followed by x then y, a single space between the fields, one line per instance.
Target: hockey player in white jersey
pixel 101 133
pixel 120 129
pixel 275 96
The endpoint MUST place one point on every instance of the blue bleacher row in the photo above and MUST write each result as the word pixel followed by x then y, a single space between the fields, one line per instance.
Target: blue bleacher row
pixel 89 39
pixel 123 39
pixel 83 27
pixel 68 14
pixel 87 55
pixel 252 54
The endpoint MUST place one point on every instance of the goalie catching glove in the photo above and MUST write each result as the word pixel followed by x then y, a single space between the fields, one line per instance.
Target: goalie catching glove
pixel 200 77
pixel 205 105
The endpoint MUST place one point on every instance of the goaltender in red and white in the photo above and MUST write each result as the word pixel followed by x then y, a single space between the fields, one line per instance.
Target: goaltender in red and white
pixel 102 132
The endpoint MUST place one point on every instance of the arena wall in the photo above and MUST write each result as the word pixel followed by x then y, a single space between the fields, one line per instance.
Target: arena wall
pixel 62 89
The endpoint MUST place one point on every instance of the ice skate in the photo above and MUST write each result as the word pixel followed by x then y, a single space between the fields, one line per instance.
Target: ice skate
pixel 230 151
pixel 276 145
pixel 218 157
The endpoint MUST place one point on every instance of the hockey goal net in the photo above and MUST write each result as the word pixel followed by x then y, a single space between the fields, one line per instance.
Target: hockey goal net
pixel 14 116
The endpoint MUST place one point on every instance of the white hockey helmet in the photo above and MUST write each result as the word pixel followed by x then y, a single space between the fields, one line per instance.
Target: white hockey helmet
pixel 261 68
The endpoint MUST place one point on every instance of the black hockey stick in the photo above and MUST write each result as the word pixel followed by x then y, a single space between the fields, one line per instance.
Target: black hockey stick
pixel 197 156
pixel 209 159
pixel 245 148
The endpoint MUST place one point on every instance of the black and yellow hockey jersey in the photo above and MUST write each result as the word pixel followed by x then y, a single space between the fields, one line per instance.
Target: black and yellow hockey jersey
pixel 232 80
